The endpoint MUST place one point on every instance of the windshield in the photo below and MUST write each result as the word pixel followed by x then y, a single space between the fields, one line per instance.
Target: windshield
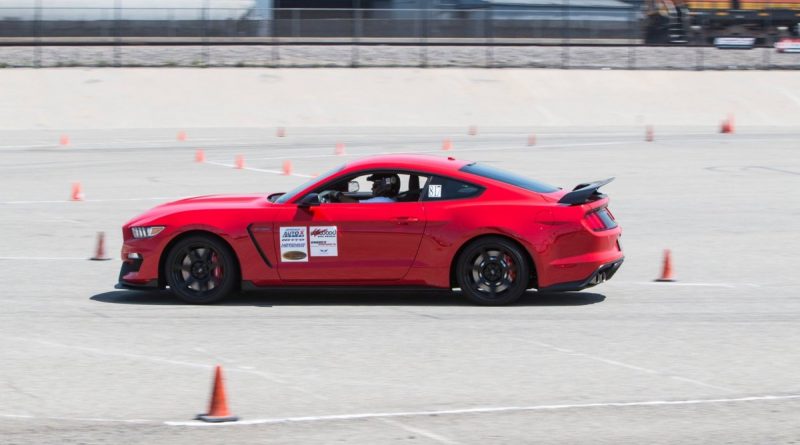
pixel 508 177
pixel 293 192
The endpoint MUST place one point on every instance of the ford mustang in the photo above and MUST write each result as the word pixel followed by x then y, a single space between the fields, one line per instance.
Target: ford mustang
pixel 411 221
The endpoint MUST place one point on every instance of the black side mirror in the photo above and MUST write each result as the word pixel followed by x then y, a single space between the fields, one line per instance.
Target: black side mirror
pixel 312 199
pixel 272 197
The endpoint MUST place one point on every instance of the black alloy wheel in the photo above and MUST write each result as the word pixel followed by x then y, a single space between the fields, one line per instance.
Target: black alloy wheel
pixel 492 271
pixel 200 270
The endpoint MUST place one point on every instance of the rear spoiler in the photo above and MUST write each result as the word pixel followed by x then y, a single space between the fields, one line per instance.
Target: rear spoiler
pixel 583 193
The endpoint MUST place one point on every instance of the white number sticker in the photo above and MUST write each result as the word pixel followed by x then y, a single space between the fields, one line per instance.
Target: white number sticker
pixel 435 191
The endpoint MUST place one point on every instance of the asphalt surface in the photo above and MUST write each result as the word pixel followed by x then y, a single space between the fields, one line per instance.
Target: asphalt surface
pixel 711 358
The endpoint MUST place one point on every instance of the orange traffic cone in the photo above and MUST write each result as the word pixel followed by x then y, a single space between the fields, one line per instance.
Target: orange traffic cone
pixel 287 167
pixel 339 151
pixel 64 140
pixel 473 130
pixel 666 273
pixel 648 133
pixel 218 408
pixel 100 252
pixel 531 139
pixel 181 135
pixel 199 156
pixel 239 162
pixel 280 132
pixel 447 144
pixel 77 192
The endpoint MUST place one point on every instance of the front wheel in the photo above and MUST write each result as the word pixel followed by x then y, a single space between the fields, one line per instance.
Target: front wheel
pixel 200 269
pixel 492 271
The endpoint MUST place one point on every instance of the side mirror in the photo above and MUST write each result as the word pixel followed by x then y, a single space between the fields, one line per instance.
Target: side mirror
pixel 310 200
pixel 272 197
pixel 353 186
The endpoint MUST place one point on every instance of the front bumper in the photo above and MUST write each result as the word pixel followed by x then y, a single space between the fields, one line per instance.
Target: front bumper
pixel 128 277
pixel 603 273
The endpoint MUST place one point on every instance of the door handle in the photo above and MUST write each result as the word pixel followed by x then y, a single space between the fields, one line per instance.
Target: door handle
pixel 404 220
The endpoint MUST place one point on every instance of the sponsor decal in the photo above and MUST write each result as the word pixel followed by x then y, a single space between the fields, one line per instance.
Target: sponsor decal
pixel 735 42
pixel 324 241
pixel 788 45
pixel 435 191
pixel 294 244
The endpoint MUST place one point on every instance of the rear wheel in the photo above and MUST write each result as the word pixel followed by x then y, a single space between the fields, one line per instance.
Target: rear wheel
pixel 200 269
pixel 492 271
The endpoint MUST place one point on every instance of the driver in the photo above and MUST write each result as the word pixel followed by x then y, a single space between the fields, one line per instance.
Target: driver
pixel 385 187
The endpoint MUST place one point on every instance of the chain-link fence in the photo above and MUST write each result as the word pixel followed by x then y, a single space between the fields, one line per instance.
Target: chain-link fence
pixel 568 34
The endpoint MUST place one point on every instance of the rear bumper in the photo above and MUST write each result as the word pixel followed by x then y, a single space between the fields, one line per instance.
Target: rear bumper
pixel 603 273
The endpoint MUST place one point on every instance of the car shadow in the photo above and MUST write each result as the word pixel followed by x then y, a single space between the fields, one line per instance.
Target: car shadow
pixel 305 297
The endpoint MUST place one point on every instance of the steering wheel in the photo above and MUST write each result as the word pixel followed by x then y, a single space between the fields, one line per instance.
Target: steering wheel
pixel 329 196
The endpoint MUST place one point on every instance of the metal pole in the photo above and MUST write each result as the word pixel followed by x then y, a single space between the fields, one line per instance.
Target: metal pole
pixel 117 33
pixel 37 35
pixel 565 45
pixel 423 56
pixel 700 49
pixel 632 26
pixel 768 44
pixel 295 22
pixel 489 34
pixel 356 34
pixel 205 48
pixel 276 56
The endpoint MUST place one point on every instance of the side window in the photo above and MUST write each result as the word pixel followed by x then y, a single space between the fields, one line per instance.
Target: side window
pixel 440 188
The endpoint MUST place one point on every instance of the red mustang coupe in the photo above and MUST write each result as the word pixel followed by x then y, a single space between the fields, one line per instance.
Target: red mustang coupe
pixel 395 220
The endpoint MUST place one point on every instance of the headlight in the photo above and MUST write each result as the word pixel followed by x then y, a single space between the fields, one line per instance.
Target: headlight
pixel 146 232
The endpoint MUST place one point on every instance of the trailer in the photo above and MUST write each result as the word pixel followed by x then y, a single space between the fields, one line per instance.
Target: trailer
pixel 701 22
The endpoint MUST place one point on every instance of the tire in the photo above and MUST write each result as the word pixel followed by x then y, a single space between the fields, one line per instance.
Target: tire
pixel 492 271
pixel 201 269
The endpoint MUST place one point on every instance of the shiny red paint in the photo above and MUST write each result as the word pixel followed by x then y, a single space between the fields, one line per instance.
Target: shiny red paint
pixel 392 244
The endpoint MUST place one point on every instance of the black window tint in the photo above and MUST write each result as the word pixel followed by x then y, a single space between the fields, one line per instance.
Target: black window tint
pixel 508 178
pixel 439 188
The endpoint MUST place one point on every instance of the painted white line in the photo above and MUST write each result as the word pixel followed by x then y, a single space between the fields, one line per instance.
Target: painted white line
pixel 74 419
pixel 64 201
pixel 677 283
pixel 791 96
pixel 429 434
pixel 487 410
pixel 251 371
pixel 628 366
pixel 262 170
pixel 697 382
pixel 431 151
pixel 34 258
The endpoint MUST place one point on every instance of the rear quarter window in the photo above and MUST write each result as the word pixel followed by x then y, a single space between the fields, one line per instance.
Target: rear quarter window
pixel 440 188
pixel 508 177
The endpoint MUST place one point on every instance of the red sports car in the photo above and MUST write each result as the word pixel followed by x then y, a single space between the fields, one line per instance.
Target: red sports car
pixel 425 221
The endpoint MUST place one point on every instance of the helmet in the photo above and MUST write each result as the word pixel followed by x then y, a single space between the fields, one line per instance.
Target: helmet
pixel 385 184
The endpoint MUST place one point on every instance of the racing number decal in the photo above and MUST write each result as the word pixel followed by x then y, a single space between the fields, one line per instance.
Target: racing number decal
pixel 324 241
pixel 295 241
pixel 435 191
pixel 294 244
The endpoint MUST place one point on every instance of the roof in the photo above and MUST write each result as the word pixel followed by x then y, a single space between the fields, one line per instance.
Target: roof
pixel 409 161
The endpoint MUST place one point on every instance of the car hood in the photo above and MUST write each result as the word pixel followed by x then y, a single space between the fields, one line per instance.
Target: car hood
pixel 203 203
pixel 219 201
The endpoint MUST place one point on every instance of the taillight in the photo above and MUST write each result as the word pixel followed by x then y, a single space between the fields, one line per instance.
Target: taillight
pixel 598 220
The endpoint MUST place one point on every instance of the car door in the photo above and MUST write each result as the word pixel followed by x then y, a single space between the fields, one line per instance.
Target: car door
pixel 348 242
